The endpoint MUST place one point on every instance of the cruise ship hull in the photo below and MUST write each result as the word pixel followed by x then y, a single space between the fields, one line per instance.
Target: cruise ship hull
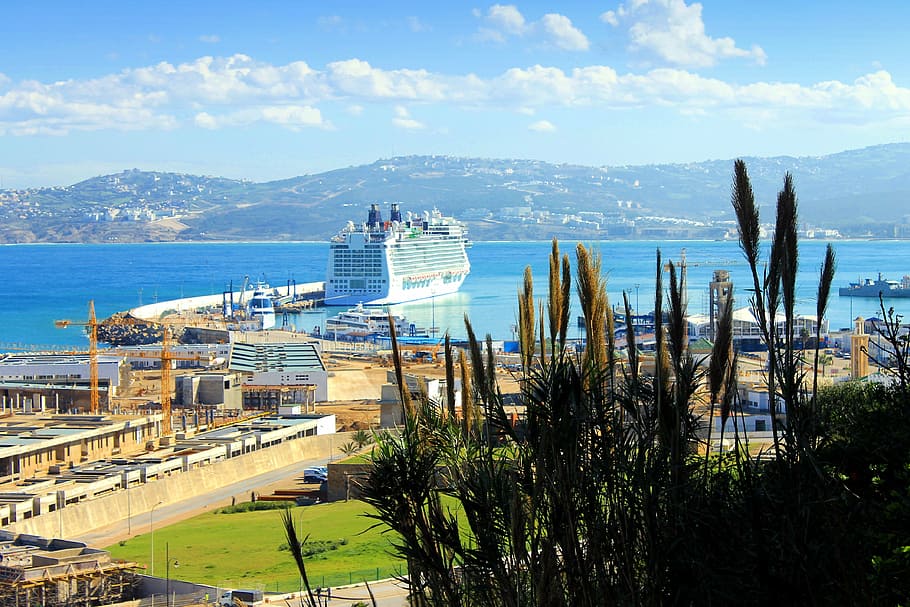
pixel 397 261
pixel 435 288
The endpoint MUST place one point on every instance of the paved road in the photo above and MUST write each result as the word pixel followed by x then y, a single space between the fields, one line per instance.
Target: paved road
pixel 388 593
pixel 170 513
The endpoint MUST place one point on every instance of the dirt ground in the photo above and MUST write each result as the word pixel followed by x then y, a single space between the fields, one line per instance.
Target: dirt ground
pixel 355 386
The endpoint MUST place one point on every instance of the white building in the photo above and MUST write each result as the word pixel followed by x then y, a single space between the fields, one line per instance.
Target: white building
pixel 277 374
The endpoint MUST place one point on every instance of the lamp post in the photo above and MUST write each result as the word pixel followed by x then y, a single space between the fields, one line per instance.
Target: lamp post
pixel 152 533
pixel 167 573
pixel 129 511
pixel 636 298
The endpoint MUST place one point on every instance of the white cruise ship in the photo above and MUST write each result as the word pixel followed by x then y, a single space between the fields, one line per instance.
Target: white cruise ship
pixel 388 262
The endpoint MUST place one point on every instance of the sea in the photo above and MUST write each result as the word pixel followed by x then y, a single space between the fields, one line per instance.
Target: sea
pixel 42 283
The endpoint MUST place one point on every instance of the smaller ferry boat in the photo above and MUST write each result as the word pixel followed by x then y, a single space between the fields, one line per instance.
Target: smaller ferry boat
pixel 260 308
pixel 880 286
pixel 360 324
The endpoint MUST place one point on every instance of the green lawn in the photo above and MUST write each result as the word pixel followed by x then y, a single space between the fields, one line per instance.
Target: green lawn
pixel 244 550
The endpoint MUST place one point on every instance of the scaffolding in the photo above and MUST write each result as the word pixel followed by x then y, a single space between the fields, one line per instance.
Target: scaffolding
pixel 57 573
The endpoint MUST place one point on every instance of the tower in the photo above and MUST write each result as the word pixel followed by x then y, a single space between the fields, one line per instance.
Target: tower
pixel 720 290
pixel 859 348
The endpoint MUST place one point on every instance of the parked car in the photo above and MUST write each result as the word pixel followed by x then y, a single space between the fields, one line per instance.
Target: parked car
pixel 315 475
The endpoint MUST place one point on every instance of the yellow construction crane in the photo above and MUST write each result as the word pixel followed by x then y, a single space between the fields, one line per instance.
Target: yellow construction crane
pixel 92 325
pixel 166 358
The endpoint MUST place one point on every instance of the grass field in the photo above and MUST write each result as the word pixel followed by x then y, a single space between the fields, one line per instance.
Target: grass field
pixel 249 549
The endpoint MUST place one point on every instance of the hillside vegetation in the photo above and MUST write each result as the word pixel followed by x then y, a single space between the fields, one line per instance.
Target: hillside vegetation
pixel 488 194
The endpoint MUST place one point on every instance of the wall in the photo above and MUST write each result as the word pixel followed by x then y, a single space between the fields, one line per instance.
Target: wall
pixel 77 519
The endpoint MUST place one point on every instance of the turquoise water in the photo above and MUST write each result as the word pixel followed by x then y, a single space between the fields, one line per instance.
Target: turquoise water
pixel 42 283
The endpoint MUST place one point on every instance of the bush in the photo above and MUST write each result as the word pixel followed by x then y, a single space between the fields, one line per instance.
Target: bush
pixel 254 506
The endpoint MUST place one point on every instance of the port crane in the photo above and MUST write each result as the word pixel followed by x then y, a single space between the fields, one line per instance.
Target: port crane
pixel 165 355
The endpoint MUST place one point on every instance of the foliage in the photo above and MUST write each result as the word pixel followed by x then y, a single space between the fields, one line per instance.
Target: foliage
pixel 253 507
pixel 608 492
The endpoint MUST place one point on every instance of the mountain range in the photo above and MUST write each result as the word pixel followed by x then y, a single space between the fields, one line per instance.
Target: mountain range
pixel 864 192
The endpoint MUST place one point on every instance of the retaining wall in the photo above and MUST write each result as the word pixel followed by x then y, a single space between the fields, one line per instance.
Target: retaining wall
pixel 77 519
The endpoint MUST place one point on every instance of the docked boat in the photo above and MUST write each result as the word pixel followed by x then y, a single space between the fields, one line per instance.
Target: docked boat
pixel 360 323
pixel 260 309
pixel 880 286
pixel 399 260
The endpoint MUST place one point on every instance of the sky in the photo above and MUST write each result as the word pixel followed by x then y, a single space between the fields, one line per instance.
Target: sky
pixel 265 90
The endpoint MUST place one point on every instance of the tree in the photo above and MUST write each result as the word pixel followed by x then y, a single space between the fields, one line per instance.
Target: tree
pixel 606 492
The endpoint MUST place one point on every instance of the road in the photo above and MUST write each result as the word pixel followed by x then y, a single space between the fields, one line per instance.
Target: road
pixel 169 513
pixel 388 593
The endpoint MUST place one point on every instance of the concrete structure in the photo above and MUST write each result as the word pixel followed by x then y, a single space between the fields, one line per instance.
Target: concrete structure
pixel 859 348
pixel 219 390
pixel 32 445
pixel 59 382
pixel 390 413
pixel 183 356
pixel 54 572
pixel 720 291
pixel 121 489
pixel 277 374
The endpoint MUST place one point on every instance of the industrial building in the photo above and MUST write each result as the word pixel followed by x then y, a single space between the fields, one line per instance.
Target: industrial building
pixel 280 374
pixel 56 382
pixel 32 444
pixel 218 390
pixel 432 388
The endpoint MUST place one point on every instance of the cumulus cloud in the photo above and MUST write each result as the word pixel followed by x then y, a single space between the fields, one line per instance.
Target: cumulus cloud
pixel 502 21
pixel 563 34
pixel 403 120
pixel 293 117
pixel 226 92
pixel 674 32
pixel 542 126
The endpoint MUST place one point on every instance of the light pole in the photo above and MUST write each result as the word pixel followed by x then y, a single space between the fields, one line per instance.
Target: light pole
pixel 167 574
pixel 152 533
pixel 129 511
pixel 636 298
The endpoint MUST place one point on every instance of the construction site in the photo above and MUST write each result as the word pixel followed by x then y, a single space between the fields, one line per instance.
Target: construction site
pixel 57 573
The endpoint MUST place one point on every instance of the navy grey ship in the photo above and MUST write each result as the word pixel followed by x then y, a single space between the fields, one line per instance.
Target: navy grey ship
pixel 880 286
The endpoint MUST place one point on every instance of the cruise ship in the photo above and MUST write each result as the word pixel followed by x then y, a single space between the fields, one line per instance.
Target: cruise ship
pixel 395 261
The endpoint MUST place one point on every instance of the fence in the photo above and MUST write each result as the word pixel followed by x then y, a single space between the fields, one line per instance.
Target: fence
pixel 342 578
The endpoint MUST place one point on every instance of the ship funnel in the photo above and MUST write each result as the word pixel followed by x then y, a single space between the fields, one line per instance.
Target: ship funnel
pixel 375 218
pixel 396 213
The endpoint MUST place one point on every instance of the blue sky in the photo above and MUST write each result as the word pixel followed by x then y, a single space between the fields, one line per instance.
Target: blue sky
pixel 267 90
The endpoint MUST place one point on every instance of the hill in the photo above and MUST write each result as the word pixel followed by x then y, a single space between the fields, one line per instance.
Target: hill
pixel 499 199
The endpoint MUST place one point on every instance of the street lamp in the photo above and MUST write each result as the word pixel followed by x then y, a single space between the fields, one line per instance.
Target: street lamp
pixel 636 298
pixel 152 533
pixel 167 569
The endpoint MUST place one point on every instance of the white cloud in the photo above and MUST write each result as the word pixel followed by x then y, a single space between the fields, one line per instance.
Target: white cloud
pixel 507 18
pixel 610 18
pixel 210 38
pixel 674 32
pixel 553 29
pixel 563 34
pixel 416 25
pixel 542 126
pixel 403 119
pixel 226 92
pixel 291 116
